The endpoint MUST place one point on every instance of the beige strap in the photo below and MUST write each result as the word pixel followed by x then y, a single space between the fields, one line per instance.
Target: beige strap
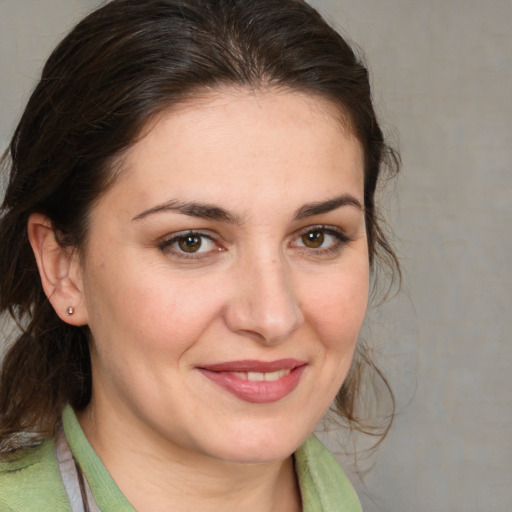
pixel 76 485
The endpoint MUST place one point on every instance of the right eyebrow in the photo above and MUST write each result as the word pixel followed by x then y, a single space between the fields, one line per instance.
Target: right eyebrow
pixel 192 209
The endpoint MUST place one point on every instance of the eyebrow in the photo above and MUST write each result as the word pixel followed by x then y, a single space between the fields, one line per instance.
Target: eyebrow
pixel 201 210
pixel 317 208
pixel 216 213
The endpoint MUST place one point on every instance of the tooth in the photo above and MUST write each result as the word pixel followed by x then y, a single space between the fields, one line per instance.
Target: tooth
pixel 260 376
pixel 271 376
pixel 255 376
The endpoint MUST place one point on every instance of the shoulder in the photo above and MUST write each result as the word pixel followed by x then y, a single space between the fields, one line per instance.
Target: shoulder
pixel 30 480
pixel 324 485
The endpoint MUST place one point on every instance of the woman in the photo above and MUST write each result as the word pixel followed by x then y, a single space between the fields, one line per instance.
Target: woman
pixel 187 239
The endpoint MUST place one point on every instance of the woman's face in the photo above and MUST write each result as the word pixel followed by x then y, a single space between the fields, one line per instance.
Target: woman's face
pixel 226 276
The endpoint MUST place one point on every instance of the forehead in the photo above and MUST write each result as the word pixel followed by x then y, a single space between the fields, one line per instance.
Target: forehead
pixel 234 143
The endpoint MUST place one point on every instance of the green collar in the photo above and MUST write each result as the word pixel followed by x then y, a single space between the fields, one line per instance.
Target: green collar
pixel 324 486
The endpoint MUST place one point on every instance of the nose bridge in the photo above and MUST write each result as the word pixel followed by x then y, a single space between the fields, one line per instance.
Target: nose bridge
pixel 266 303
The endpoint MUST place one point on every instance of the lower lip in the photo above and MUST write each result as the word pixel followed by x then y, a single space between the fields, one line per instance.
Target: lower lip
pixel 257 392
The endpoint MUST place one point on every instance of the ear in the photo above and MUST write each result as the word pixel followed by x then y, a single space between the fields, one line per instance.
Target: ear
pixel 59 269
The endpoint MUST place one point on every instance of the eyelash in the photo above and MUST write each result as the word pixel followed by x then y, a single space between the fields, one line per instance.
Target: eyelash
pixel 166 245
pixel 340 240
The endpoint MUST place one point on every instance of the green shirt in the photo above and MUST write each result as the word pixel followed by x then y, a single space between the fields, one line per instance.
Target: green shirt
pixel 32 482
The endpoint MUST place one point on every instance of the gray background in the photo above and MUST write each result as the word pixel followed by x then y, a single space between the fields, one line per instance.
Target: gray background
pixel 442 73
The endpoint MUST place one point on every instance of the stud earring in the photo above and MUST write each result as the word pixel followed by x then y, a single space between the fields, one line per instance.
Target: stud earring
pixel 70 310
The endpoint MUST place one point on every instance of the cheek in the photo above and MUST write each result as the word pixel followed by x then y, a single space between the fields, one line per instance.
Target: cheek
pixel 337 309
pixel 153 312
pixel 335 312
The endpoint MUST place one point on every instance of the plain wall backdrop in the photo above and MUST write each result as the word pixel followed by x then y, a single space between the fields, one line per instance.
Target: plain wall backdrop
pixel 442 75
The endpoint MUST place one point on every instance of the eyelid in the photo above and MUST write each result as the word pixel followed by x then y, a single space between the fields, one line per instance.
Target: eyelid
pixel 339 234
pixel 326 228
pixel 166 242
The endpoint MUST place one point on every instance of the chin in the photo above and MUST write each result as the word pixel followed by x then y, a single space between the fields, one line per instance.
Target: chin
pixel 264 447
pixel 258 455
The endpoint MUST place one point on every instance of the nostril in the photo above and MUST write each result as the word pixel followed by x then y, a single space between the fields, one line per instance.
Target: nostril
pixel 266 321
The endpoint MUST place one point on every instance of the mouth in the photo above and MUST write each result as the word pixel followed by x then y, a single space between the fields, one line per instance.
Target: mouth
pixel 256 381
pixel 260 376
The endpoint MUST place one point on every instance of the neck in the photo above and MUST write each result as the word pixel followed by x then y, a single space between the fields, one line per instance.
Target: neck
pixel 156 476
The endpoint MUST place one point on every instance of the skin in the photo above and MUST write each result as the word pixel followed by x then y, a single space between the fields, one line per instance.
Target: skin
pixel 257 288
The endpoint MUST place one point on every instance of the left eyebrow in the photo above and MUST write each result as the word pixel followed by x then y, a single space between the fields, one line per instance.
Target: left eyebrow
pixel 317 208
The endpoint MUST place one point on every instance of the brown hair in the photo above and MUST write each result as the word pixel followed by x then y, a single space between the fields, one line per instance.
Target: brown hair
pixel 119 67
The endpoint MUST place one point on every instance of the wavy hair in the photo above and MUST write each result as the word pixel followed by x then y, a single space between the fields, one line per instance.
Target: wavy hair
pixel 118 68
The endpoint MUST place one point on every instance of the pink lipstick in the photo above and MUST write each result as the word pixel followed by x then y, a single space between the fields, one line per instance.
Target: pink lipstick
pixel 256 381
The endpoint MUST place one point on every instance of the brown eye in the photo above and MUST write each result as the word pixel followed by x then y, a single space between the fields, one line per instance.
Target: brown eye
pixel 190 243
pixel 321 241
pixel 313 239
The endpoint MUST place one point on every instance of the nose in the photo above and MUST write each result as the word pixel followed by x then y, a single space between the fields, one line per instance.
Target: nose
pixel 264 305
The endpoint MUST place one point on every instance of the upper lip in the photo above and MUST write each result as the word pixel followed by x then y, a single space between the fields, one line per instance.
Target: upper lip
pixel 250 365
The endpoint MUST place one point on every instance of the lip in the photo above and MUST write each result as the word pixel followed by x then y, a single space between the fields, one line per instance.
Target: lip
pixel 227 376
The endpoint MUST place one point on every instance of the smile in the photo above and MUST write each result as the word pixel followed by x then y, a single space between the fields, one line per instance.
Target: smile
pixel 260 376
pixel 255 381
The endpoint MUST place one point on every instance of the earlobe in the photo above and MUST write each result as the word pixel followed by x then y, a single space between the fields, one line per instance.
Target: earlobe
pixel 59 269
